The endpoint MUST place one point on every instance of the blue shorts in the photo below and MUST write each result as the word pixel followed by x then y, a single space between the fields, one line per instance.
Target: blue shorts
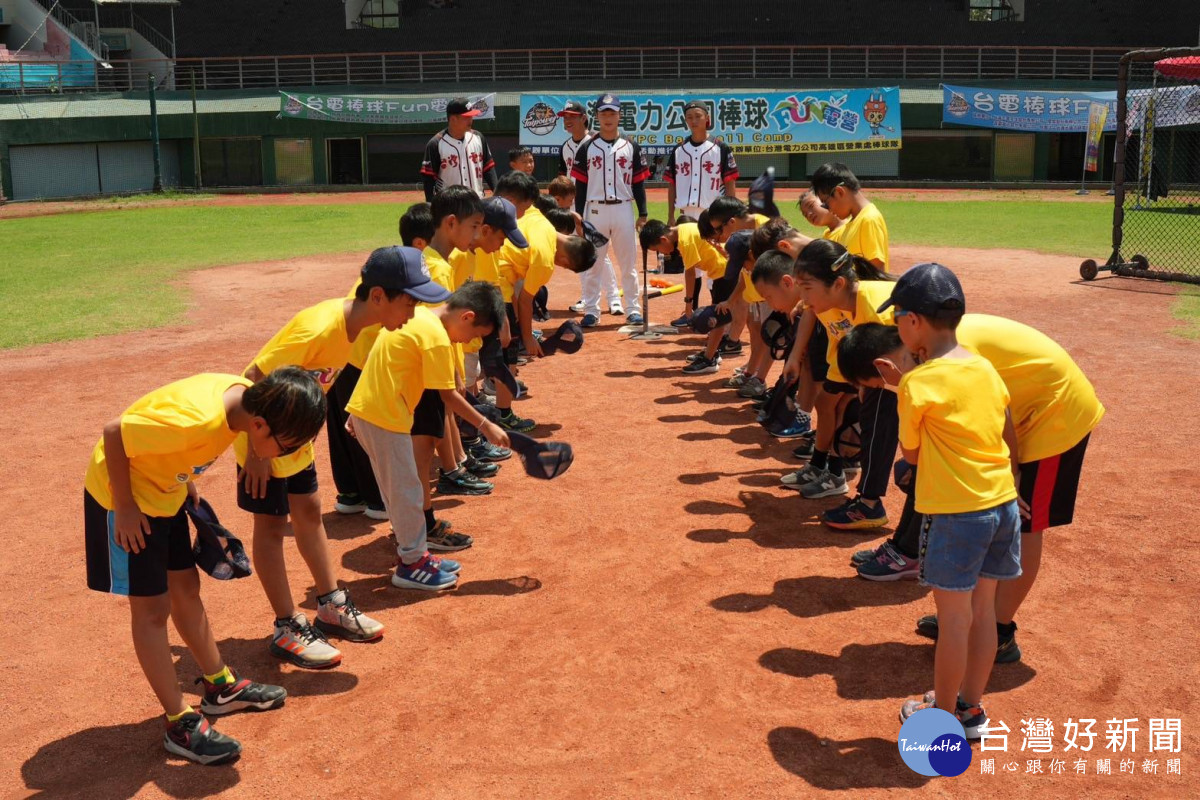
pixel 959 549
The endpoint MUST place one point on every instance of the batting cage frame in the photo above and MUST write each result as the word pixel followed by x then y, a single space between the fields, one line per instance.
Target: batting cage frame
pixel 1156 203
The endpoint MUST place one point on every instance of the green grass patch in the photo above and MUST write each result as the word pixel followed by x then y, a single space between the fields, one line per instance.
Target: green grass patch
pixel 74 276
pixel 1186 310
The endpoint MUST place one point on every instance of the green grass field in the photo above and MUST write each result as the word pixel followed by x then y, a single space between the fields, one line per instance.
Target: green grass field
pixel 75 276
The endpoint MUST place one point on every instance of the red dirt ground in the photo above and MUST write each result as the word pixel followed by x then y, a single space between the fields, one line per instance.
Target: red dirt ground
pixel 789 196
pixel 664 620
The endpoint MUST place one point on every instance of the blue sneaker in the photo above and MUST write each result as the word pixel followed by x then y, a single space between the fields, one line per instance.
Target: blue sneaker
pixel 856 515
pixel 589 321
pixel 445 564
pixel 483 450
pixel 793 431
pixel 423 574
pixel 635 319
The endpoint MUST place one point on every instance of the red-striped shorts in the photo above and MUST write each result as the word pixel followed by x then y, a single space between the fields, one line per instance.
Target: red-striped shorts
pixel 1049 487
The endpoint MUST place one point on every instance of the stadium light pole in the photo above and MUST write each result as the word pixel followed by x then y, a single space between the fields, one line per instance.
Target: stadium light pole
pixel 154 135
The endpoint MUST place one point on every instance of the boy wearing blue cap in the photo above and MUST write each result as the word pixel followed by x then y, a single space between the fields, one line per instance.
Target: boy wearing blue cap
pixel 956 428
pixel 403 365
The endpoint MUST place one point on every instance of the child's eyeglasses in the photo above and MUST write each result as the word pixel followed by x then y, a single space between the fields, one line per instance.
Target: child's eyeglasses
pixel 284 450
pixel 825 200
pixel 900 312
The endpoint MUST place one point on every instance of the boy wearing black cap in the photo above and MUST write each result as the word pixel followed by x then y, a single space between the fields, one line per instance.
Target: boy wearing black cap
pixel 611 172
pixel 955 427
pixel 402 365
pixel 458 155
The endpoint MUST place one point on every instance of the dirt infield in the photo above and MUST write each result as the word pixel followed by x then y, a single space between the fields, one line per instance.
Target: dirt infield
pixel 662 621
pixel 785 197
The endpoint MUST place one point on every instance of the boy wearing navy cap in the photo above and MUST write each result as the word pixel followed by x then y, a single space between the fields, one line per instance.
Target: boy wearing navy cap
pixel 956 428
pixel 611 172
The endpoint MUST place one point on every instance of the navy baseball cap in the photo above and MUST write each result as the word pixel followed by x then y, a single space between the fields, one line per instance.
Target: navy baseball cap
pixel 567 339
pixel 402 269
pixel 594 236
pixel 608 102
pixel 930 290
pixel 695 104
pixel 708 319
pixel 573 108
pixel 216 551
pixel 500 213
pixel 543 460
pixel 461 107
pixel 737 247
pixel 762 194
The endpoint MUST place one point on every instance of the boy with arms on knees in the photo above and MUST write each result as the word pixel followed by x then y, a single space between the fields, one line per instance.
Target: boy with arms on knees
pixel 137 539
pixel 864 232
pixel 319 339
pixel 404 364
pixel 352 474
pixel 1054 410
pixel 955 427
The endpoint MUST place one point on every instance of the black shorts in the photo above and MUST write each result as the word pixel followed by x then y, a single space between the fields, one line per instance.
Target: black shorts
pixel 1049 487
pixel 429 417
pixel 512 353
pixel 275 503
pixel 818 347
pixel 144 574
pixel 722 290
pixel 837 387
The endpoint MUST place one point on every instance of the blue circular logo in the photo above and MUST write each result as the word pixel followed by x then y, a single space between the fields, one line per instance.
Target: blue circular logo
pixel 932 742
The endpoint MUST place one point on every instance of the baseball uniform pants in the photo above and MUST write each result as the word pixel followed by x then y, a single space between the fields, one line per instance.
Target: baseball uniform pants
pixel 616 222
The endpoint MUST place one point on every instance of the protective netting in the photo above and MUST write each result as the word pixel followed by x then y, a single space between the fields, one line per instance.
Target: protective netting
pixel 1157 221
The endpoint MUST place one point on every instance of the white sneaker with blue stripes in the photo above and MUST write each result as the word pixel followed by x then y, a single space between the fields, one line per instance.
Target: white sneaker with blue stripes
pixel 426 574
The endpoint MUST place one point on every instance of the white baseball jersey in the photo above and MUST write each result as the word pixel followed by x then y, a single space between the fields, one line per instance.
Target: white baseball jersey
pixel 609 169
pixel 699 172
pixel 458 162
pixel 567 154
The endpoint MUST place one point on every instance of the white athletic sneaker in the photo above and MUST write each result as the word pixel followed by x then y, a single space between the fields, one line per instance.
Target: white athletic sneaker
pixel 296 641
pixel 338 616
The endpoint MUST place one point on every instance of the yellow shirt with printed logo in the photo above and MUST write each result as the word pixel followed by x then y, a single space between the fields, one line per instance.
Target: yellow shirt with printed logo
pixel 533 264
pixel 1053 403
pixel 170 435
pixel 314 340
pixel 865 235
pixel 403 364
pixel 697 252
pixel 953 410
pixel 871 295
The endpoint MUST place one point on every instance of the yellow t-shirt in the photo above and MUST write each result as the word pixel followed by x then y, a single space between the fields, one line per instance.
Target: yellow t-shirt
pixel 749 293
pixel 871 295
pixel 533 264
pixel 1053 403
pixel 314 340
pixel 442 273
pixel 696 252
pixel 366 337
pixel 865 235
pixel 953 409
pixel 403 364
pixel 170 436
pixel 487 268
pixel 467 267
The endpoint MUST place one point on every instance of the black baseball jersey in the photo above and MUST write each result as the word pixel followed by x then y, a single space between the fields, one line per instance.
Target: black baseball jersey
pixel 566 154
pixel 699 172
pixel 609 169
pixel 455 162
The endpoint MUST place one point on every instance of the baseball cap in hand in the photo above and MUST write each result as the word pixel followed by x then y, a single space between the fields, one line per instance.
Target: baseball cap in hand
pixel 708 318
pixel 573 108
pixel 594 236
pixel 608 102
pixel 216 551
pixel 491 361
pixel 737 248
pixel 543 460
pixel 500 213
pixel 762 194
pixel 777 333
pixel 461 107
pixel 930 290
pixel 567 339
pixel 402 269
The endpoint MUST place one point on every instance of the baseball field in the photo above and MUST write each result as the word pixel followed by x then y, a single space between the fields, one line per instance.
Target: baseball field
pixel 665 620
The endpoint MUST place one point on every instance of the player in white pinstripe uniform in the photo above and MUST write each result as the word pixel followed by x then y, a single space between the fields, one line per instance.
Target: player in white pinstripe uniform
pixel 575 122
pixel 699 171
pixel 610 173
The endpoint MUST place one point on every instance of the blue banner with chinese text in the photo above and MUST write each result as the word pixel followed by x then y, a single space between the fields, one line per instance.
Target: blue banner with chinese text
pixel 804 121
pixel 1016 110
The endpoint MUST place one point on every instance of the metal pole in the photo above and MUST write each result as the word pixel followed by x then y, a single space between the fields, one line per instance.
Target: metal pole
pixel 154 135
pixel 1083 179
pixel 199 180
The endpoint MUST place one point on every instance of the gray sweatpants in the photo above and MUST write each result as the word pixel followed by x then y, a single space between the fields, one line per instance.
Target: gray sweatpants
pixel 399 485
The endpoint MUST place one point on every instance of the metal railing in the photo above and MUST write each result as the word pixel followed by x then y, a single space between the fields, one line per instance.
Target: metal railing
pixel 86 32
pixel 126 18
pixel 645 65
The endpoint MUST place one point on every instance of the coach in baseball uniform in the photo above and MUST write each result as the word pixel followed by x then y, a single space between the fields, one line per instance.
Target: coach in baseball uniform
pixel 458 155
pixel 575 123
pixel 699 170
pixel 610 173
